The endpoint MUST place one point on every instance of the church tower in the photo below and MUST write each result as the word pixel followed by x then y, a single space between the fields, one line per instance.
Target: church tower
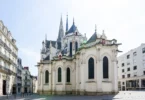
pixel 61 31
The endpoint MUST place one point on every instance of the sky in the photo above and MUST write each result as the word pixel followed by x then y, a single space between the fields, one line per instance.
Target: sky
pixel 30 20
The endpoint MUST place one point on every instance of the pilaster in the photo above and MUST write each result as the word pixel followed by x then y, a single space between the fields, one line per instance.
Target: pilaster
pixel 99 70
pixel 64 77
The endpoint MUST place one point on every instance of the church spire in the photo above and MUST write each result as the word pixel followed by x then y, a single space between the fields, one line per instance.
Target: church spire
pixel 61 31
pixel 95 28
pixel 73 21
pixel 45 37
pixel 67 23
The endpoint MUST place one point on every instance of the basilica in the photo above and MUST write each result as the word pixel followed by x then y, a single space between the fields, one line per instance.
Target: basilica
pixel 73 64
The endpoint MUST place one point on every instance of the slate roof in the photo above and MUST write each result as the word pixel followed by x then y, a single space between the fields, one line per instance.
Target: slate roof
pixel 47 58
pixel 92 38
pixel 72 29
pixel 53 44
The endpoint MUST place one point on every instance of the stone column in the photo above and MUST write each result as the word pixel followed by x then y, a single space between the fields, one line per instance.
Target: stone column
pixel 53 80
pixel 73 78
pixel 82 79
pixel 77 81
pixel 115 80
pixel 99 75
pixel 50 81
pixel 64 80
pixel 41 82
pixel 139 83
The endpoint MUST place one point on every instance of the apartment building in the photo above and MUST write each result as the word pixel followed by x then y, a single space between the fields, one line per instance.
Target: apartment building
pixel 131 69
pixel 19 76
pixel 26 80
pixel 8 60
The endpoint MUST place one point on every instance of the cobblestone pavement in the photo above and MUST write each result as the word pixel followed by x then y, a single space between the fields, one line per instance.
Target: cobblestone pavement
pixel 119 96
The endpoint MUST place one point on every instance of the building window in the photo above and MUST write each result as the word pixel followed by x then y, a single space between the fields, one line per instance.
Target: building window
pixel 68 75
pixel 91 68
pixel 143 50
pixel 105 67
pixel 122 70
pixel 70 49
pixel 135 67
pixel 123 83
pixel 144 58
pixel 128 75
pixel 128 56
pixel 123 76
pixel 143 72
pixel 128 63
pixel 134 75
pixel 76 46
pixel 59 74
pixel 128 69
pixel 122 64
pixel 134 53
pixel 46 76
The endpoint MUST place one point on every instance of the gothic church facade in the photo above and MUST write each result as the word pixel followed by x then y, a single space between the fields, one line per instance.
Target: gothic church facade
pixel 74 65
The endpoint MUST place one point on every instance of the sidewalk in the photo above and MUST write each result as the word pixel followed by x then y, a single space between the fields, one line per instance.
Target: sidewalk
pixel 13 97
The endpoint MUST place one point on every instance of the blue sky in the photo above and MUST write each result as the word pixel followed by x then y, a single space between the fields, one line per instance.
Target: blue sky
pixel 30 20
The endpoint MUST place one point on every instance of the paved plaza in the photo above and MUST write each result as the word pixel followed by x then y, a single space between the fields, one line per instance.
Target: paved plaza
pixel 127 95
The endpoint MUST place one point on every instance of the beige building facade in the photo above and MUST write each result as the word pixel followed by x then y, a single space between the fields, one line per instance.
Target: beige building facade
pixel 75 65
pixel 26 80
pixel 131 69
pixel 8 60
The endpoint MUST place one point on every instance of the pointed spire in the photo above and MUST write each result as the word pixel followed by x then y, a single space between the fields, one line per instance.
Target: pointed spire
pixel 61 31
pixel 73 21
pixel 45 37
pixel 95 28
pixel 67 23
pixel 103 32
pixel 61 20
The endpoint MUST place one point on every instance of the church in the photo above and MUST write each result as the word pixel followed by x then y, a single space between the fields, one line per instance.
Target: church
pixel 73 64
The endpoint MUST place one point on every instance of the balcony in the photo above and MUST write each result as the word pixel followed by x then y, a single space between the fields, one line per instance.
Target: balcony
pixel 1 43
pixel 19 81
pixel 27 85
pixel 6 70
pixel 14 54
pixel 18 74
pixel 26 79
pixel 7 48
pixel 19 84
pixel 5 58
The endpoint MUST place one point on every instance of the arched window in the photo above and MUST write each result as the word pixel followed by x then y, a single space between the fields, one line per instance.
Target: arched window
pixel 68 75
pixel 59 74
pixel 46 76
pixel 76 46
pixel 91 68
pixel 105 67
pixel 70 49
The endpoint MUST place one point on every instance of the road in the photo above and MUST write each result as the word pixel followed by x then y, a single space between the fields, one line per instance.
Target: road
pixel 119 96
